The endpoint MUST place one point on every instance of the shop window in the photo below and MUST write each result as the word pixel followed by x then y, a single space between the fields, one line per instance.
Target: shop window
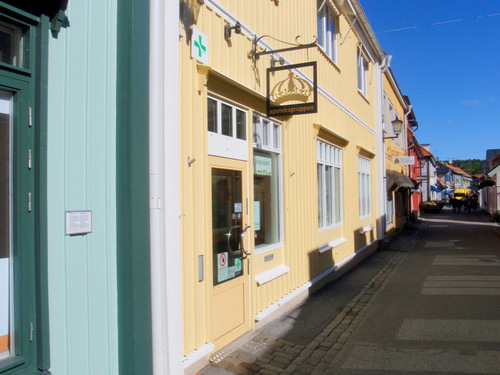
pixel 327 30
pixel 267 183
pixel 6 303
pixel 364 181
pixel 329 165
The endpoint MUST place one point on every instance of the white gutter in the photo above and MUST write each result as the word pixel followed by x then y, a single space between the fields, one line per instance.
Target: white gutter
pixel 382 165
pixel 245 30
pixel 166 300
pixel 386 64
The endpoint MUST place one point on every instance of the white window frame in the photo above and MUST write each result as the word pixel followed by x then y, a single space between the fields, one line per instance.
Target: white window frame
pixel 391 117
pixel 327 30
pixel 227 146
pixel 399 139
pixel 362 73
pixel 385 117
pixel 329 158
pixel 267 140
pixel 389 209
pixel 364 185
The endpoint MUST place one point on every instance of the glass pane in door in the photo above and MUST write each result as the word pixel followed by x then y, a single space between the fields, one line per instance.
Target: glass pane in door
pixel 227 216
pixel 5 223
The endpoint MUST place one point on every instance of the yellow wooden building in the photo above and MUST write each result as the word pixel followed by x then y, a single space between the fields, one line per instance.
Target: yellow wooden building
pixel 274 206
pixel 395 109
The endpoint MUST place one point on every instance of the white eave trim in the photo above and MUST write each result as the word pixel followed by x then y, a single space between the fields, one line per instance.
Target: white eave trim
pixel 245 30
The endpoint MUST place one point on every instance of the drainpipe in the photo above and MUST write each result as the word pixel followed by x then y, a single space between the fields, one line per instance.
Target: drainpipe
pixel 166 300
pixel 382 233
pixel 408 168
pixel 405 135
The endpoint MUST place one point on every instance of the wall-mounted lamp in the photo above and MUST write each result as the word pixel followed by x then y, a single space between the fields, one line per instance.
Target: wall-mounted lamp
pixel 397 126
pixel 228 28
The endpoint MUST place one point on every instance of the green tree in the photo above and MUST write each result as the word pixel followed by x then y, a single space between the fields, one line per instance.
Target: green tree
pixel 471 166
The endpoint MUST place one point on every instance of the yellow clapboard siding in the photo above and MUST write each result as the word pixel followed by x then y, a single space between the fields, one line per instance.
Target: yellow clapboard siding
pixel 232 76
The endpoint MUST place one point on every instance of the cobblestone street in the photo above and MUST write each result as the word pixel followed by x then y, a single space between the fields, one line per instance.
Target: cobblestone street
pixel 265 352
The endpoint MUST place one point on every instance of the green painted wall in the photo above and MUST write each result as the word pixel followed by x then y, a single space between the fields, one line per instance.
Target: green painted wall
pixel 133 235
pixel 82 271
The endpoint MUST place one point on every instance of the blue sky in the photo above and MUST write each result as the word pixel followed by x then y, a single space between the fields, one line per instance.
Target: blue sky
pixel 449 70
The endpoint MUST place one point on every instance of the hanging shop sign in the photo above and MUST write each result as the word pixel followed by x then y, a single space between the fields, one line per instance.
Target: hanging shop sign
pixel 403 160
pixel 289 92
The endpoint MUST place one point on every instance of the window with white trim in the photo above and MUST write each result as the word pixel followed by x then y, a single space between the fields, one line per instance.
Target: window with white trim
pixel 267 183
pixel 389 209
pixel 329 164
pixel 226 119
pixel 385 117
pixel 364 181
pixel 327 30
pixel 399 139
pixel 362 73
pixel 391 117
pixel 227 130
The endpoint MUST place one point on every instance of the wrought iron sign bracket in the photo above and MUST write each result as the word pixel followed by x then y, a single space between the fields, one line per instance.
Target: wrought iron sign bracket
pixel 256 55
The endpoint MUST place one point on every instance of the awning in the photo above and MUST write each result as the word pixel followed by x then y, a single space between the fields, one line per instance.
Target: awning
pixel 397 181
pixel 486 183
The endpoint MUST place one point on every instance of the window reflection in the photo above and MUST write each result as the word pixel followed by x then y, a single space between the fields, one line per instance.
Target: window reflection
pixel 14 43
pixel 5 226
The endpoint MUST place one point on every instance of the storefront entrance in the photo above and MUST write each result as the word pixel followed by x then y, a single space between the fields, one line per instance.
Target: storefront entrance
pixel 229 316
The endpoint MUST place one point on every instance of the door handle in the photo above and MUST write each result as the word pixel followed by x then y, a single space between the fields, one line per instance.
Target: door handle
pixel 228 234
pixel 243 242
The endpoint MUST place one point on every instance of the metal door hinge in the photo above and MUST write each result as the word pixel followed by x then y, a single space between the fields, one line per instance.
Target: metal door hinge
pixel 31 331
pixel 30 117
pixel 29 159
pixel 29 202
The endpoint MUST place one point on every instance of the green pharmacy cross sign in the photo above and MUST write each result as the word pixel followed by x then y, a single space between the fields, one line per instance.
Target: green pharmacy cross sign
pixel 199 46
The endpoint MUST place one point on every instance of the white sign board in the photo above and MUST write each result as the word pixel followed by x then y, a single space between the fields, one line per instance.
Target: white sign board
pixel 403 160
pixel 222 267
pixel 78 222
pixel 199 46
pixel 256 215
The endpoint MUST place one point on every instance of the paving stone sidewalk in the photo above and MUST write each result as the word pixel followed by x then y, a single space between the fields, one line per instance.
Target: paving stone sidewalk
pixel 257 353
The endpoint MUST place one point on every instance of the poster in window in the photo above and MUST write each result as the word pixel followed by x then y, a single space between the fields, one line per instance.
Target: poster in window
pixel 263 165
pixel 256 215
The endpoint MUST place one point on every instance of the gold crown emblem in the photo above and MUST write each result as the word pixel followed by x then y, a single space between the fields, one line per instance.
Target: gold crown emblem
pixel 292 88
